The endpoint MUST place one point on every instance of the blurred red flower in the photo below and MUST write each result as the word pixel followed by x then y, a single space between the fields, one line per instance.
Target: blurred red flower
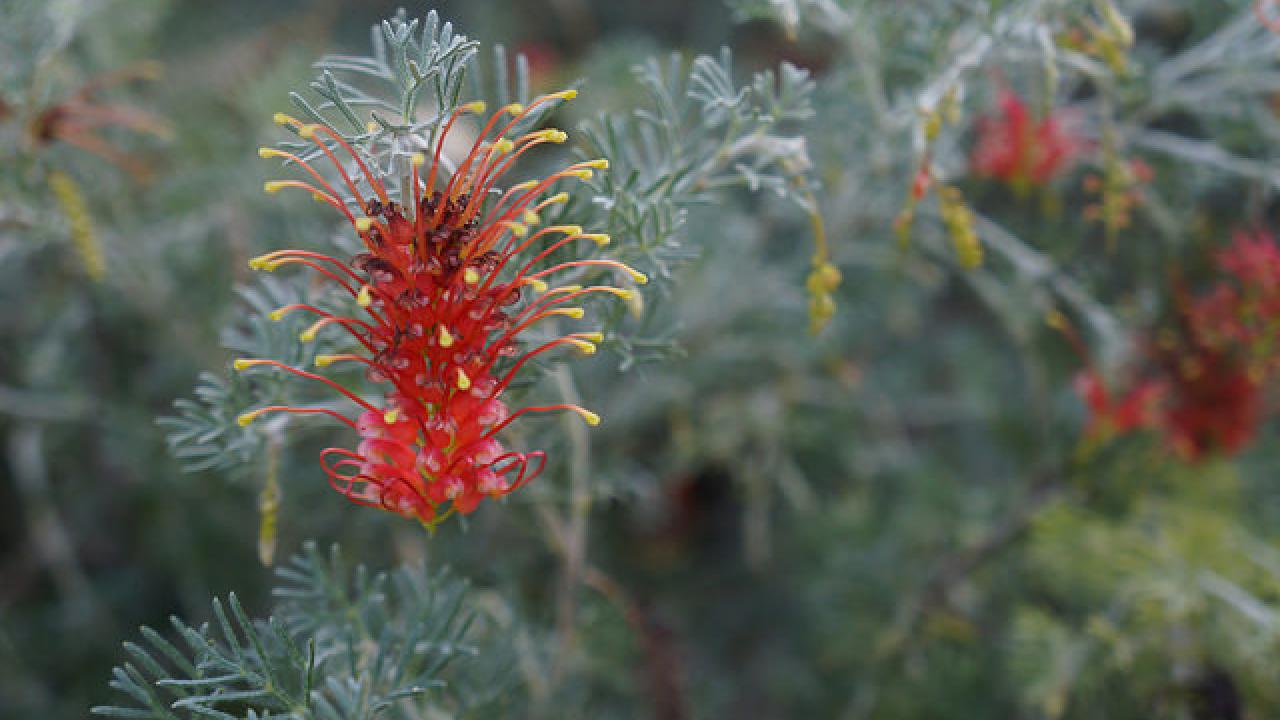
pixel 1138 408
pixel 78 119
pixel 1214 406
pixel 1015 148
pixel 1205 391
pixel 543 61
pixel 1243 310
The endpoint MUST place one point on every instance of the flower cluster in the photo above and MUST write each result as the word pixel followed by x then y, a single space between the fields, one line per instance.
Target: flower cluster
pixel 1019 150
pixel 1244 311
pixel 1204 387
pixel 1213 405
pixel 1109 38
pixel 1119 189
pixel 958 220
pixel 444 296
pixel 66 191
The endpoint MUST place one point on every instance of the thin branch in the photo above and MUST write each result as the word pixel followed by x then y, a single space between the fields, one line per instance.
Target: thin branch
pixel 662 668
pixel 952 570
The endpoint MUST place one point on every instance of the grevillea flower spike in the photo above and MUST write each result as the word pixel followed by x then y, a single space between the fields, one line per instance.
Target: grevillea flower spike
pixel 1016 148
pixel 440 303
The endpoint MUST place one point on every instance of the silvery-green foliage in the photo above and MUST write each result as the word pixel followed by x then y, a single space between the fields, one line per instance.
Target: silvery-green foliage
pixel 699 134
pixel 203 433
pixel 340 644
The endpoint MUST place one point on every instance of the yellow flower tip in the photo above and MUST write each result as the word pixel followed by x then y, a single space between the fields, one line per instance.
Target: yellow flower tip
pixel 418 160
pixel 587 348
pixel 552 135
pixel 514 108
pixel 581 173
pixel 262 262
pixel 477 107
pixel 363 224
pixel 574 312
pixel 282 119
pixel 365 298
pixel 503 146
pixel 464 382
pixel 307 335
pixel 537 285
pixel 622 293
pixel 470 276
pixel 391 416
pixel 276 315
pixel 591 418
pixel 371 126
pixel 531 218
pixel 245 418
pixel 600 239
pixel 243 364
pixel 318 197
pixel 636 305
pixel 569 229
pixel 522 186
pixel 559 198
pixel 273 186
pixel 517 229
pixel 564 94
pixel 266 152
pixel 599 164
pixel 306 132
pixel 446 339
pixel 639 277
pixel 325 360
pixel 592 336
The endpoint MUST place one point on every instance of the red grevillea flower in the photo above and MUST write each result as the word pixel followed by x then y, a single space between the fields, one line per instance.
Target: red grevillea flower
pixel 1217 400
pixel 1111 413
pixel 1214 405
pixel 1136 409
pixel 1243 311
pixel 1017 149
pixel 443 297
pixel 1205 378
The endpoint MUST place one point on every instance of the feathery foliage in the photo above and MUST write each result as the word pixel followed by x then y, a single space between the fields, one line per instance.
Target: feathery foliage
pixel 340 644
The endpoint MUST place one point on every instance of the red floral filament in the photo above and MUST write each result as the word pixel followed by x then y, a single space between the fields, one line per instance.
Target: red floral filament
pixel 438 290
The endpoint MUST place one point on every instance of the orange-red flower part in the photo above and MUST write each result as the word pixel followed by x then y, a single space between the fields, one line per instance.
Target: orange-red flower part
pixel 444 295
